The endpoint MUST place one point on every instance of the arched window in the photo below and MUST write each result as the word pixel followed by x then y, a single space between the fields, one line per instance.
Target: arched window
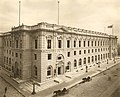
pixel 95 57
pixel 84 60
pixel 35 70
pixel 68 66
pixel 88 59
pixel 103 56
pixel 92 58
pixel 80 62
pixel 99 57
pixel 49 71
pixel 75 63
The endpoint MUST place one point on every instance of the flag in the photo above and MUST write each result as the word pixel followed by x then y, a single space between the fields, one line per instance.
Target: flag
pixel 110 26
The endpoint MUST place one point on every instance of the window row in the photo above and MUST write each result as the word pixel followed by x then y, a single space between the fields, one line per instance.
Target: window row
pixel 14 54
pixel 13 44
pixel 68 45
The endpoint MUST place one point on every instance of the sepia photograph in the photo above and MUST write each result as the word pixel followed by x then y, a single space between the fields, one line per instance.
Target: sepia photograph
pixel 59 48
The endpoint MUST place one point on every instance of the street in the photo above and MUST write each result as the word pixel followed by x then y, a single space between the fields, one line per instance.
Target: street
pixel 105 84
pixel 11 92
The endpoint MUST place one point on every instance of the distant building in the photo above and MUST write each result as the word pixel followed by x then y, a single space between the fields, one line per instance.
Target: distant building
pixel 45 51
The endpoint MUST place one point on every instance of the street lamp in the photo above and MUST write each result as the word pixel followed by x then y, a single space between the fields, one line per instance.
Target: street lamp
pixel 114 56
pixel 107 61
pixel 5 92
pixel 33 89
pixel 86 68
pixel 98 64
pixel 34 83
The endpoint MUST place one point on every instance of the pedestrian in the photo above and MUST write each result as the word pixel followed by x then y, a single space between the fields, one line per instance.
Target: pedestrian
pixel 4 95
pixel 5 89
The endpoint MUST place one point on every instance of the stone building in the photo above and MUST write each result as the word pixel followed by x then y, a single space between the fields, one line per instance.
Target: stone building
pixel 45 51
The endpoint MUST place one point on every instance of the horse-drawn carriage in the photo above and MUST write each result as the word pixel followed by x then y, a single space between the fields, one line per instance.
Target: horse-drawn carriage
pixel 86 79
pixel 60 92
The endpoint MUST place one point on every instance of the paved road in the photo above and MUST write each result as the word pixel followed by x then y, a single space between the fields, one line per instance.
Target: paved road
pixel 106 84
pixel 11 92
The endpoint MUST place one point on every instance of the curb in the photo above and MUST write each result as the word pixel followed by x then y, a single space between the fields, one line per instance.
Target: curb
pixel 81 81
pixel 13 86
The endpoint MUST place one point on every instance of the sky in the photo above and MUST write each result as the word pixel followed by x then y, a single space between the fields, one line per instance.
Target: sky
pixel 93 15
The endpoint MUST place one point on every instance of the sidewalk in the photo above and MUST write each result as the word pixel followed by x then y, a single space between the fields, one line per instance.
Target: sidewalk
pixel 77 78
pixel 68 80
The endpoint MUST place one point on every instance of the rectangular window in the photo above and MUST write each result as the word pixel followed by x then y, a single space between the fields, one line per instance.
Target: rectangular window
pixel 49 56
pixel 49 44
pixel 92 58
pixel 84 51
pixel 98 43
pixel 74 52
pixel 101 43
pixel 4 59
pixel 95 50
pixel 16 54
pixel 20 56
pixel 36 44
pixel 79 43
pixel 91 43
pixel 20 43
pixel 80 52
pixel 88 59
pixel 10 52
pixel 74 43
pixel 92 50
pixel 10 43
pixel 59 43
pixel 16 43
pixel 84 43
pixel 88 51
pixel 9 60
pixel 68 43
pixel 95 43
pixel 88 43
pixel 98 50
pixel 35 56
pixel 68 54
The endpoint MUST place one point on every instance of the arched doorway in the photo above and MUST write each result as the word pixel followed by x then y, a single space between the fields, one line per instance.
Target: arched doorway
pixel 60 68
pixel 60 65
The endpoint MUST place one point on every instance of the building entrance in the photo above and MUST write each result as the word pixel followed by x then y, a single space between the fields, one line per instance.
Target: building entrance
pixel 59 70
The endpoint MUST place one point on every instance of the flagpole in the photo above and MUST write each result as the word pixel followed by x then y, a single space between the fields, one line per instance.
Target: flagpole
pixel 58 11
pixel 19 11
pixel 112 30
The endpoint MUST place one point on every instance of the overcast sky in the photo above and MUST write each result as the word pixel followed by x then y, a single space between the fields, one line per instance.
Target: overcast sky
pixel 85 14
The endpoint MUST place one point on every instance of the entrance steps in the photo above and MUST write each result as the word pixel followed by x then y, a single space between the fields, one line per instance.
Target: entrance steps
pixel 28 87
pixel 63 78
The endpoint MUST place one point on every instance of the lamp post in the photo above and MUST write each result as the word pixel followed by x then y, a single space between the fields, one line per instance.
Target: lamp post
pixel 34 83
pixel 86 68
pixel 107 61
pixel 114 56
pixel 98 64
pixel 5 92
pixel 33 89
